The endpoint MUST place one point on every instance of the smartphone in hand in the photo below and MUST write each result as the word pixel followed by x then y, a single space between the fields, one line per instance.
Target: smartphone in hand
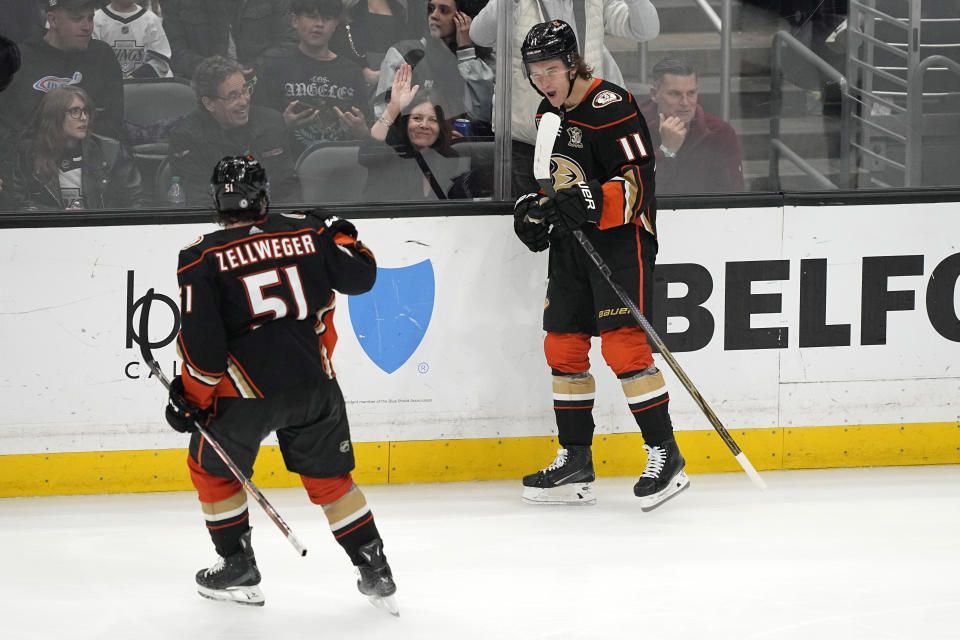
pixel 300 106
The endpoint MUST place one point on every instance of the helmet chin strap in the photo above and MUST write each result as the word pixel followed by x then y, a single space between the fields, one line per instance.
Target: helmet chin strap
pixel 570 89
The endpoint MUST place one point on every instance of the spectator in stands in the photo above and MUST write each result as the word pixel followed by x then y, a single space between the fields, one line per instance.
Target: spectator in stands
pixel 446 62
pixel 634 19
pixel 21 20
pixel 696 151
pixel 369 27
pixel 243 31
pixel 225 124
pixel 60 164
pixel 416 162
pixel 9 61
pixel 9 64
pixel 321 94
pixel 64 56
pixel 137 38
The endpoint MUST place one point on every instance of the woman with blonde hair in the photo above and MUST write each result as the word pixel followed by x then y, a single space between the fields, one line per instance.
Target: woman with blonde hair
pixel 61 164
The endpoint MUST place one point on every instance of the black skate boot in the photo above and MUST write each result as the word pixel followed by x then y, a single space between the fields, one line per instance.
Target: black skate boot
pixel 233 579
pixel 664 476
pixel 568 480
pixel 376 579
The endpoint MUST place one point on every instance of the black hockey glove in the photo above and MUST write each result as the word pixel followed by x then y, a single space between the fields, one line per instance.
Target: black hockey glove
pixel 180 414
pixel 528 222
pixel 340 225
pixel 334 224
pixel 575 206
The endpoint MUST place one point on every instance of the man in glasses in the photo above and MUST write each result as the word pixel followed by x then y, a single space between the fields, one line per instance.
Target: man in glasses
pixel 226 124
pixel 65 55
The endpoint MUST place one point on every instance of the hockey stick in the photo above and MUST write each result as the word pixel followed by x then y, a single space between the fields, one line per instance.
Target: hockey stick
pixel 144 339
pixel 546 136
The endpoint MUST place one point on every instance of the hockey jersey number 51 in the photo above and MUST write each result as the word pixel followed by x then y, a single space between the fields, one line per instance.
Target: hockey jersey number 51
pixel 257 305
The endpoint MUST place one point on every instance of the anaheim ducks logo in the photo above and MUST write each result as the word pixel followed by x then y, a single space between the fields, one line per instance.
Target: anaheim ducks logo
pixel 606 97
pixel 565 172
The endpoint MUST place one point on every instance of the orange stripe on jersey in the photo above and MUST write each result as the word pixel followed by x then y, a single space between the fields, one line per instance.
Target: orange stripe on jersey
pixel 603 126
pixel 614 202
pixel 245 239
pixel 593 85
pixel 182 352
pixel 246 376
pixel 350 242
pixel 197 390
pixel 621 198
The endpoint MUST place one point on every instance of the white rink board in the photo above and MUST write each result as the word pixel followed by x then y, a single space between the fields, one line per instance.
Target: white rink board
pixel 66 377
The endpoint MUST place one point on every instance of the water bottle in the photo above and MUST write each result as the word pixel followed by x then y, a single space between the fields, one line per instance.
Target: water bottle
pixel 175 194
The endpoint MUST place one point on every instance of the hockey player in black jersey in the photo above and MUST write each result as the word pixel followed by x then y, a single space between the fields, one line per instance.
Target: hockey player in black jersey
pixel 602 168
pixel 257 303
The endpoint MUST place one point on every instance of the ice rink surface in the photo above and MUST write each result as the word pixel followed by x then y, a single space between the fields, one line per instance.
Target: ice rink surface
pixel 850 553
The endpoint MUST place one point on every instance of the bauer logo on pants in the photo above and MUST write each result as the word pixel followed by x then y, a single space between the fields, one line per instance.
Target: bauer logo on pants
pixel 391 319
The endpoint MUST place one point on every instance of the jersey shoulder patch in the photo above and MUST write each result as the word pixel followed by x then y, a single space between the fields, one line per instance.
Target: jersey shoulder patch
pixel 606 97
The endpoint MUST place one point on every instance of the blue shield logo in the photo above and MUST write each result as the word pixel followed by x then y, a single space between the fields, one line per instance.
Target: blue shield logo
pixel 391 319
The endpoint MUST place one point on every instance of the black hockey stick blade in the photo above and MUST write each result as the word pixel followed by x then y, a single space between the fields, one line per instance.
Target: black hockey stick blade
pixel 143 338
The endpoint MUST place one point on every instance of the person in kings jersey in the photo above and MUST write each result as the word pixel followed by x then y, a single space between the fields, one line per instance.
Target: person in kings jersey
pixel 256 339
pixel 602 168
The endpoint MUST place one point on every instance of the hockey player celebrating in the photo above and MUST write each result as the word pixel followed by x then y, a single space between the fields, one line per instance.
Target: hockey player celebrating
pixel 257 335
pixel 602 168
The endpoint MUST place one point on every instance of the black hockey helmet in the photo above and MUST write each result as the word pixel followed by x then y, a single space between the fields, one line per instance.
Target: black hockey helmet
pixel 547 41
pixel 239 185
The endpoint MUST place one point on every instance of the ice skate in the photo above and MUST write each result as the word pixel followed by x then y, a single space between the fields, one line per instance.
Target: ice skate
pixel 568 479
pixel 234 578
pixel 376 579
pixel 664 476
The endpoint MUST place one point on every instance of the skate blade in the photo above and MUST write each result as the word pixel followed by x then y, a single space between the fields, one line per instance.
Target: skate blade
pixel 677 484
pixel 251 596
pixel 574 493
pixel 387 603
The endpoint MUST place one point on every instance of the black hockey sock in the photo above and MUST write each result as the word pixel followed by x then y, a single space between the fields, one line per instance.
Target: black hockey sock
pixel 649 403
pixel 351 522
pixel 226 531
pixel 573 397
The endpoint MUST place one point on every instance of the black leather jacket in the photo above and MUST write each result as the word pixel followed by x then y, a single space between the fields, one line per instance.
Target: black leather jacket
pixel 110 178
pixel 197 143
